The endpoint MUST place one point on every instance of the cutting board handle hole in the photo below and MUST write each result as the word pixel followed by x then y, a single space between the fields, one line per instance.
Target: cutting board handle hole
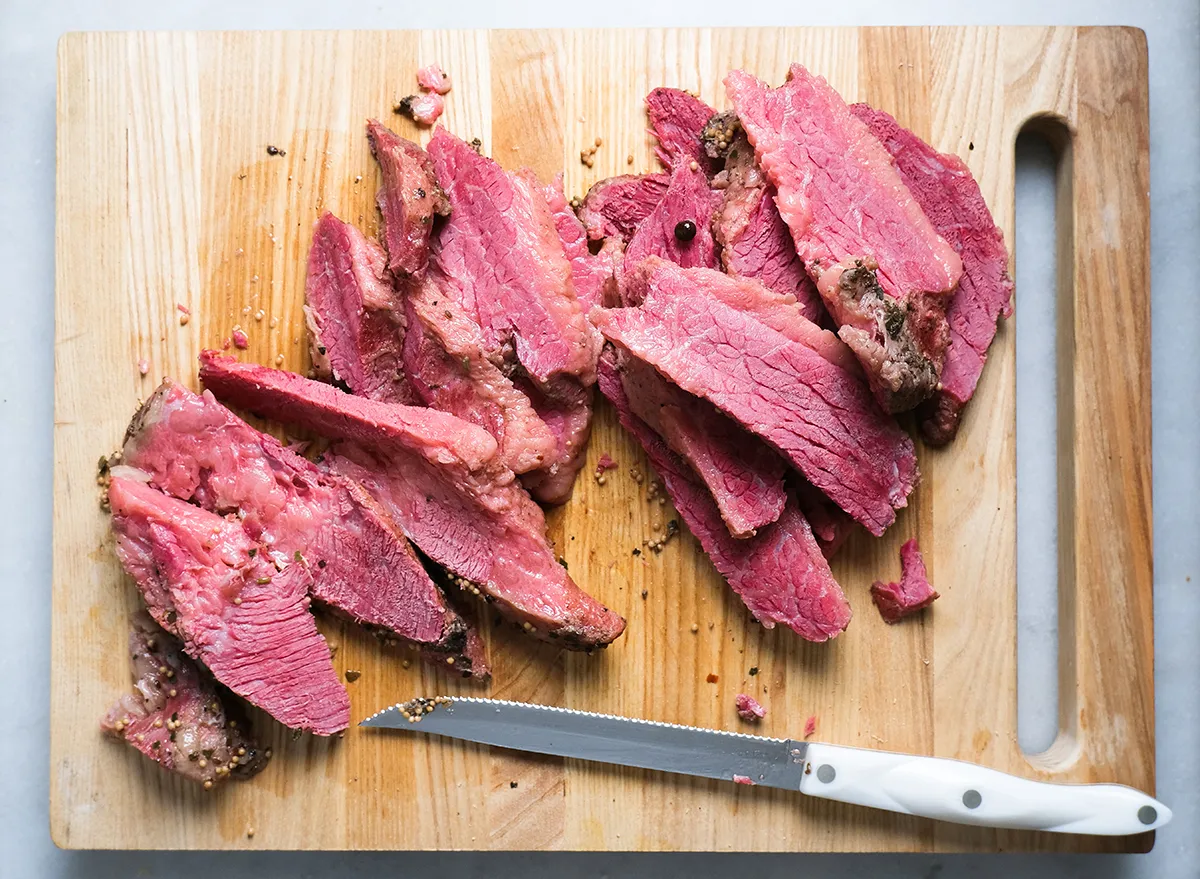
pixel 1044 251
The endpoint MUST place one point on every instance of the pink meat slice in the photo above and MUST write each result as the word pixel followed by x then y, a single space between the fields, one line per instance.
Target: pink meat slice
pixel 449 370
pixel 205 581
pixel 677 119
pixel 408 199
pixel 913 593
pixel 779 574
pixel 593 274
pixel 748 708
pixel 754 240
pixel 819 415
pixel 688 198
pixel 880 266
pixel 195 449
pixel 948 194
pixel 566 409
pixel 503 260
pixel 743 474
pixel 441 480
pixel 615 206
pixel 355 328
pixel 175 716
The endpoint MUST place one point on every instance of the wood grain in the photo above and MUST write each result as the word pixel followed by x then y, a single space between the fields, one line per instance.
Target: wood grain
pixel 167 195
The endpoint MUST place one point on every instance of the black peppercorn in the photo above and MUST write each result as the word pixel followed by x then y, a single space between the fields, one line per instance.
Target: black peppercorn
pixel 685 230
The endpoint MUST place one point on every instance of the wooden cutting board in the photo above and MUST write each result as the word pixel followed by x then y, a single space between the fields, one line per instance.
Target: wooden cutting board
pixel 167 194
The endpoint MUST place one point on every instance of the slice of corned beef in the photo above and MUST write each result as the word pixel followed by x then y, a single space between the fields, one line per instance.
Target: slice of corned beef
pixel 818 414
pixel 441 480
pixel 408 199
pixel 566 409
pixel 780 573
pixel 743 475
pixel 449 370
pixel 355 327
pixel 503 261
pixel 948 194
pixel 615 206
pixel 880 266
pixel 594 274
pixel 753 239
pixel 176 717
pixel 680 226
pixel 677 119
pixel 205 581
pixel 362 566
pixel 913 593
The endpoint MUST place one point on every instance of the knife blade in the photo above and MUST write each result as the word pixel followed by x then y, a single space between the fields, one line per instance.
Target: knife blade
pixel 930 787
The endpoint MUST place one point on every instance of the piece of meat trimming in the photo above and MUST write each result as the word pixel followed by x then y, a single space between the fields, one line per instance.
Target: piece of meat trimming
pixel 944 188
pixel 205 581
pixel 881 268
pixel 791 393
pixel 177 717
pixel 780 574
pixel 440 479
pixel 362 566
pixel 911 594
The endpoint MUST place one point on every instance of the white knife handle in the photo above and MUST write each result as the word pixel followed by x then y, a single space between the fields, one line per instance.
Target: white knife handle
pixel 950 790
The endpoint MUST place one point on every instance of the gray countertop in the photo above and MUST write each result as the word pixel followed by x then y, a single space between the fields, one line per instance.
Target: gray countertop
pixel 29 30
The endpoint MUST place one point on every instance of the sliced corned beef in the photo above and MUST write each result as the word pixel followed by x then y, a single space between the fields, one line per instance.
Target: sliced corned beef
pixel 176 717
pixel 355 327
pixel 441 480
pixel 594 274
pixel 615 206
pixel 566 409
pixel 677 119
pixel 748 708
pixel 780 573
pixel 753 239
pixel 449 370
pixel 913 593
pixel 408 199
pixel 503 261
pixel 205 581
pixel 880 266
pixel 744 475
pixel 680 226
pixel 948 194
pixel 818 414
pixel 195 449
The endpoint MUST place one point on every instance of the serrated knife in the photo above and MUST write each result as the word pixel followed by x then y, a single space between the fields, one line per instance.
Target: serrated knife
pixel 929 787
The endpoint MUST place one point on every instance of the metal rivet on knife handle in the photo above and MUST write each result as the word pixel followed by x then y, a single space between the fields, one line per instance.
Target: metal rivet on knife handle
pixel 972 799
pixel 826 773
pixel 1147 814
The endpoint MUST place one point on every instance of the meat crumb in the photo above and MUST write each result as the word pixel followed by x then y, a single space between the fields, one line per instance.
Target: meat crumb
pixel 422 109
pixel 240 339
pixel 712 678
pixel 605 464
pixel 743 779
pixel 810 726
pixel 748 708
pixel 183 309
pixel 143 366
pixel 913 593
pixel 433 79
